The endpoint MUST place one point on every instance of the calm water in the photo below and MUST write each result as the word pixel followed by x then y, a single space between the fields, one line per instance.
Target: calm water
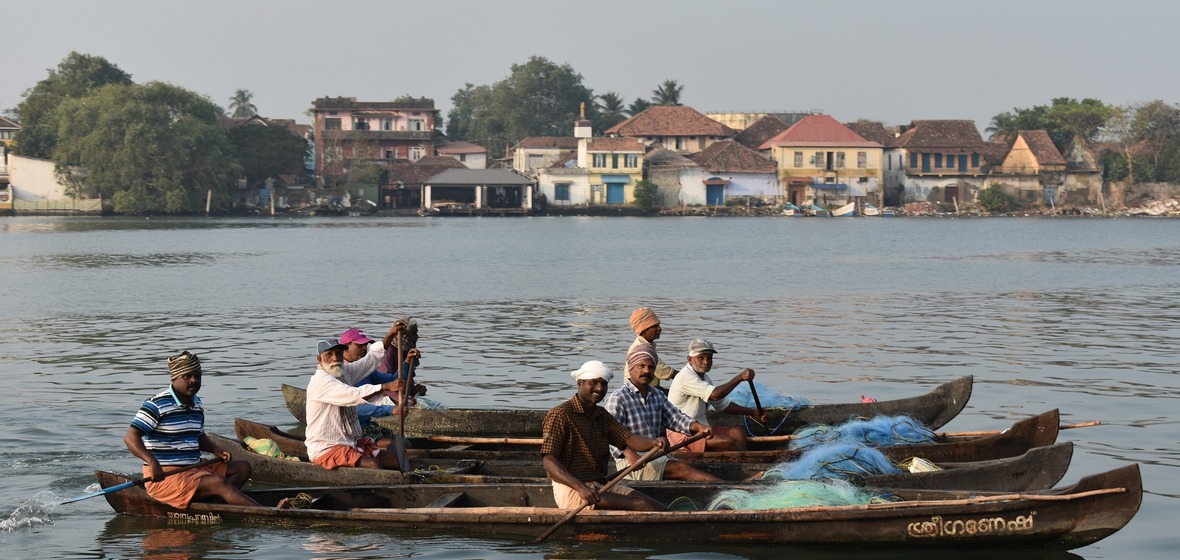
pixel 1080 315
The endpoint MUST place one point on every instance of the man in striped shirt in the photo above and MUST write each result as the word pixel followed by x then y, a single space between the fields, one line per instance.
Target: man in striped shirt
pixel 168 433
pixel 647 412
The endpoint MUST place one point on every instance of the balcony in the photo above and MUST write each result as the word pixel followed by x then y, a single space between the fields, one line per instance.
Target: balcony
pixel 354 135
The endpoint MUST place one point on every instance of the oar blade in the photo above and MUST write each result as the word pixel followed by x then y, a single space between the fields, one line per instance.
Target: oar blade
pixel 115 488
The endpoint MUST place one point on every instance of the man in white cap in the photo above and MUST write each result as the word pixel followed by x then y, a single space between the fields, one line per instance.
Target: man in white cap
pixel 575 447
pixel 694 392
pixel 334 431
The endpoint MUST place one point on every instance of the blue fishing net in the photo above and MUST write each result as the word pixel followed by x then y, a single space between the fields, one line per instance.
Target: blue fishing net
pixel 767 396
pixel 792 494
pixel 879 431
pixel 836 460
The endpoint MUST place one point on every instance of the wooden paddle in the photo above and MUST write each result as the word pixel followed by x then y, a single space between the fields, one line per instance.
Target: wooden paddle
pixel 140 481
pixel 654 453
pixel 757 403
pixel 399 440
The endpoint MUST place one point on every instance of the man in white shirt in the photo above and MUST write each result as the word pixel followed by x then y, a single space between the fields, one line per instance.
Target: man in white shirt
pixel 693 392
pixel 333 428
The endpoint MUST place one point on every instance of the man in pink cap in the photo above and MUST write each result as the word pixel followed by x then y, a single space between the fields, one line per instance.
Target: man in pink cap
pixel 647 329
pixel 357 345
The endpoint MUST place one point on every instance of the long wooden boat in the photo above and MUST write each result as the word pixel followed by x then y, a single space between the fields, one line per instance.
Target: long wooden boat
pixel 1063 518
pixel 1035 431
pixel 935 409
pixel 1036 469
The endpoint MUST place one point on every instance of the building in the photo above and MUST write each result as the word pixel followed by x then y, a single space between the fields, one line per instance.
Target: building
pixel 8 129
pixel 742 120
pixel 350 132
pixel 478 191
pixel 675 127
pixel 821 161
pixel 404 180
pixel 472 156
pixel 735 171
pixel 679 180
pixel 937 161
pixel 754 136
pixel 1032 170
pixel 537 152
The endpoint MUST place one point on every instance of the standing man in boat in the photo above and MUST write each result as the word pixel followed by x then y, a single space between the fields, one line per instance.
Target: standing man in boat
pixel 575 447
pixel 647 412
pixel 358 346
pixel 694 392
pixel 647 329
pixel 334 433
pixel 168 433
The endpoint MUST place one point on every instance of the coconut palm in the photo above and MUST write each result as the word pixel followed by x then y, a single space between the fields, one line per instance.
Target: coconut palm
pixel 611 110
pixel 240 104
pixel 667 94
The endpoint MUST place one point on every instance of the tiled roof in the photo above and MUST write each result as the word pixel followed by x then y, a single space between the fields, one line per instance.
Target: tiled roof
pixel 872 131
pixel 669 120
pixel 663 158
pixel 478 177
pixel 417 172
pixel 818 130
pixel 460 147
pixel 732 157
pixel 934 134
pixel 995 152
pixel 350 103
pixel 758 133
pixel 563 161
pixel 8 123
pixel 614 145
pixel 548 143
pixel 300 130
pixel 1042 147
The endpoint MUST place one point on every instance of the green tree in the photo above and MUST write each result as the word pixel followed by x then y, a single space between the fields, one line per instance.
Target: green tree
pixel 611 110
pixel 538 98
pixel 76 76
pixel 668 93
pixel 1156 125
pixel 267 151
pixel 993 199
pixel 646 195
pixel 637 106
pixel 1064 119
pixel 240 104
pixel 152 148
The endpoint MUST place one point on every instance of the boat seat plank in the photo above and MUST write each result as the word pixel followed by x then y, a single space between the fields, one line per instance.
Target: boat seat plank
pixel 446 500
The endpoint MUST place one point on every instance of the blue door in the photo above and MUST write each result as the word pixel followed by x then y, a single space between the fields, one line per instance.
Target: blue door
pixel 925 163
pixel 715 195
pixel 614 193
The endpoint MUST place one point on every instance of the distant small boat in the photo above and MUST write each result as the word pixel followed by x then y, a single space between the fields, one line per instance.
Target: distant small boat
pixel 813 210
pixel 871 210
pixel 792 210
pixel 846 211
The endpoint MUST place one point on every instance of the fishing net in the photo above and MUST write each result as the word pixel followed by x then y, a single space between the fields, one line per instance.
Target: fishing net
pixel 879 431
pixel 840 461
pixel 767 396
pixel 794 494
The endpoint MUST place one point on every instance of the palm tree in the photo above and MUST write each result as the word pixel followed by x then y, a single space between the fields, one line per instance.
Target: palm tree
pixel 638 106
pixel 667 94
pixel 240 104
pixel 610 110
pixel 1002 127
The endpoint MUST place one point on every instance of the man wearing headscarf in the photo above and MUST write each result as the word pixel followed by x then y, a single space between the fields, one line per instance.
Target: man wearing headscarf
pixel 168 433
pixel 575 447
pixel 334 433
pixel 647 329
pixel 648 413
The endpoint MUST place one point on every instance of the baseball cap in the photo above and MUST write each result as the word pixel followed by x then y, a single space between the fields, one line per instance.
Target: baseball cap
pixel 355 335
pixel 327 344
pixel 699 346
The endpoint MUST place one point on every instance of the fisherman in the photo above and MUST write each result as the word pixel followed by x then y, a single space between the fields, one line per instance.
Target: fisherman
pixel 334 434
pixel 575 447
pixel 647 329
pixel 648 413
pixel 168 433
pixel 386 370
pixel 693 392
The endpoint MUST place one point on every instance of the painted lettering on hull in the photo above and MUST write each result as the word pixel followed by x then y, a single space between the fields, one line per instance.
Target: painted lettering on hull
pixel 937 527
pixel 178 518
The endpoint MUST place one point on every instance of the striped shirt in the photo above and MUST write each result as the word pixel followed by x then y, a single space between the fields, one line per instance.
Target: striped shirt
pixel 171 431
pixel 646 415
pixel 580 438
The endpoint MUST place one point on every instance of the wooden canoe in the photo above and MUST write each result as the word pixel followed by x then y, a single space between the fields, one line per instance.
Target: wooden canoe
pixel 1063 518
pixel 1036 469
pixel 935 409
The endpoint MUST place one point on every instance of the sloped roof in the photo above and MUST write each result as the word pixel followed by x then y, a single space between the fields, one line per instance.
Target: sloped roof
pixel 229 123
pixel 670 120
pixel 758 133
pixel 995 152
pixel 730 156
pixel 476 177
pixel 548 143
pixel 6 122
pixel 932 134
pixel 460 147
pixel 663 158
pixel 563 161
pixel 872 131
pixel 417 172
pixel 1042 147
pixel 818 130
pixel 614 145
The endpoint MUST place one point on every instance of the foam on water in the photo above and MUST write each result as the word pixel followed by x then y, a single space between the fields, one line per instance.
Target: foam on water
pixel 35 511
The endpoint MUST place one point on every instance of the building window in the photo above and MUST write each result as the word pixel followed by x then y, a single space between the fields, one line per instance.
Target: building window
pixel 388 153
pixel 974 160
pixel 798 159
pixel 913 159
pixel 839 160
pixel 536 160
pixel 599 160
pixel 417 124
pixel 862 159
pixel 561 192
pixel 333 153
pixel 631 160
pixel 415 153
pixel 614 161
pixel 462 157
pixel 677 143
pixel 701 143
pixel 386 124
pixel 360 124
pixel 818 160
pixel 889 162
pixel 862 180
pixel 332 124
pixel 937 161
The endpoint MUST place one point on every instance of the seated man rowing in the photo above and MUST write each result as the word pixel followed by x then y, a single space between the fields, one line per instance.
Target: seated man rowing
pixel 648 413
pixel 575 447
pixel 693 392
pixel 334 433
pixel 168 433
pixel 358 346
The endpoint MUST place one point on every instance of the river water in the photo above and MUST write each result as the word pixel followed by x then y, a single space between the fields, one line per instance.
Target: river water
pixel 1077 314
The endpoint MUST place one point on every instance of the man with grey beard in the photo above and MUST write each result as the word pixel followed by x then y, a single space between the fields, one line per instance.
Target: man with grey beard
pixel 333 428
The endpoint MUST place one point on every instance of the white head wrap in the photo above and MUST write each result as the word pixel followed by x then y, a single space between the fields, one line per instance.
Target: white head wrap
pixel 593 369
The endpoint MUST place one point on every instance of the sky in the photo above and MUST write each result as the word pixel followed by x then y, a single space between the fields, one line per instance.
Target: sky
pixel 889 61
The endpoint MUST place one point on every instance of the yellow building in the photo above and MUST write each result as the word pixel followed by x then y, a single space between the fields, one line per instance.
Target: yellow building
pixel 821 161
pixel 614 166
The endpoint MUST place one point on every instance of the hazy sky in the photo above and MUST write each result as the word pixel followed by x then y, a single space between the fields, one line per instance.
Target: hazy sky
pixel 891 61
